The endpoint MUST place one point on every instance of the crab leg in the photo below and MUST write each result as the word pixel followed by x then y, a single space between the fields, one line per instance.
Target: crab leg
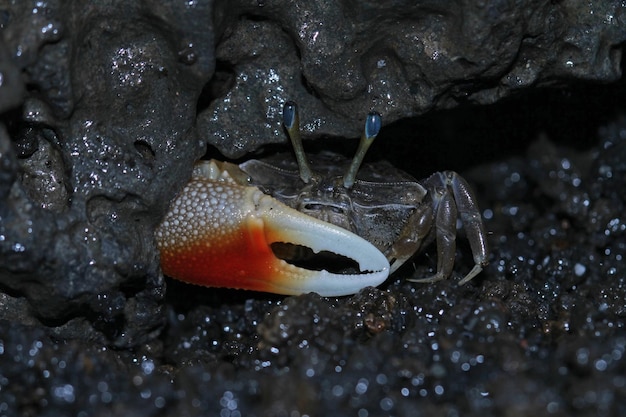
pixel 474 227
pixel 452 194
pixel 445 231
pixel 218 233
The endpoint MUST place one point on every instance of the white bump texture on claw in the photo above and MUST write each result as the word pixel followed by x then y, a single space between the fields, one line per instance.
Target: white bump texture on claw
pixel 201 204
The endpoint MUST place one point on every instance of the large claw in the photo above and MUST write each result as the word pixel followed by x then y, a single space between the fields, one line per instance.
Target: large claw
pixel 218 233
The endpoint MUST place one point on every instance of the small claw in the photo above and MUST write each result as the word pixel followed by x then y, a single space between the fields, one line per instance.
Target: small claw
pixel 218 233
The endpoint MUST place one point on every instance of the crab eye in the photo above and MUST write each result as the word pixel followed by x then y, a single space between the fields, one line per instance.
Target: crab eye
pixel 373 124
pixel 289 114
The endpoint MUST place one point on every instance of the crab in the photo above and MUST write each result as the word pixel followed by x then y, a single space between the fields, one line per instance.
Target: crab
pixel 319 223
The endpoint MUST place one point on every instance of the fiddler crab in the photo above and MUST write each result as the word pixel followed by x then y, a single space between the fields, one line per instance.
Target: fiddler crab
pixel 316 224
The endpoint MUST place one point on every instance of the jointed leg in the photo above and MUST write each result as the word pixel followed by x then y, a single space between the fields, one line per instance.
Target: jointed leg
pixel 472 222
pixel 445 231
pixel 452 194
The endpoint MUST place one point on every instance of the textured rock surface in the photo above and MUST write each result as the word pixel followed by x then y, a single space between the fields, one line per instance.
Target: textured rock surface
pixel 104 106
pixel 107 111
pixel 340 60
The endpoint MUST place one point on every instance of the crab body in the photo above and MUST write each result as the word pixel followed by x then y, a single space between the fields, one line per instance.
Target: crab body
pixel 227 226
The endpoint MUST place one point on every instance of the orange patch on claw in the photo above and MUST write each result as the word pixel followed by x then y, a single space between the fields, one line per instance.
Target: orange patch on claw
pixel 242 260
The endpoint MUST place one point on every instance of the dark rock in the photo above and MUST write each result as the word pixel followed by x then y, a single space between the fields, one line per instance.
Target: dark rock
pixel 340 61
pixel 93 182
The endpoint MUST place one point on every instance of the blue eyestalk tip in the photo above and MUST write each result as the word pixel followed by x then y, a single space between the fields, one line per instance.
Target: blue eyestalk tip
pixel 289 114
pixel 373 123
